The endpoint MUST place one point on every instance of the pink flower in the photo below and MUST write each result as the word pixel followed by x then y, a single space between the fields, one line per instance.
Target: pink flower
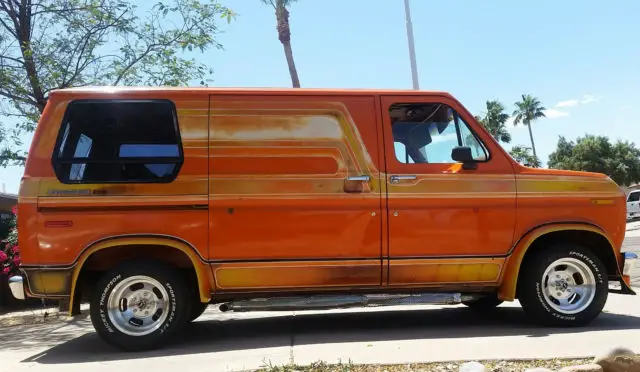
pixel 14 210
pixel 16 249
pixel 16 261
pixel 6 270
pixel 3 256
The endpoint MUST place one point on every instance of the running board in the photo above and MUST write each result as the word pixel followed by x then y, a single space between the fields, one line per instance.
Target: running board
pixel 326 302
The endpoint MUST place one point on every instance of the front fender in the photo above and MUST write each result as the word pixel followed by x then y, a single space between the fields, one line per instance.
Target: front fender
pixel 509 280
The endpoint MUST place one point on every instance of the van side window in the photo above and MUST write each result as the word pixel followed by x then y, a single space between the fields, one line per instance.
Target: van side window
pixel 634 197
pixel 103 141
pixel 428 132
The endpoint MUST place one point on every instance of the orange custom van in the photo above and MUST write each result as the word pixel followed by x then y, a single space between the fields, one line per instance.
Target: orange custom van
pixel 153 203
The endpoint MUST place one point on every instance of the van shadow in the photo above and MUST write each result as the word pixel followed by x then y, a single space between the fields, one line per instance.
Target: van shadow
pixel 307 329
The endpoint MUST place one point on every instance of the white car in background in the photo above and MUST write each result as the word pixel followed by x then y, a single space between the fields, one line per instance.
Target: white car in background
pixel 633 205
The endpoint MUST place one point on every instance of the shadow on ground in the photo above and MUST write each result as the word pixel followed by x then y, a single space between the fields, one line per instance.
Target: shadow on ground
pixel 283 331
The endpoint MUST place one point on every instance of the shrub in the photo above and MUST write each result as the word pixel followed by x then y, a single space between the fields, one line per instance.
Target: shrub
pixel 9 249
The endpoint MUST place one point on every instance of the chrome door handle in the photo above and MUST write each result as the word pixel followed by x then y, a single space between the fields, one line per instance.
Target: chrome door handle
pixel 362 178
pixel 396 179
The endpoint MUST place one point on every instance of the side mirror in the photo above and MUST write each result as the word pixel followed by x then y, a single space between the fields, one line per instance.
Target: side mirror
pixel 462 154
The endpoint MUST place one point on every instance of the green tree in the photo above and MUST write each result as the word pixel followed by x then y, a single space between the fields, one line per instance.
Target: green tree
pixel 527 111
pixel 53 44
pixel 495 120
pixel 284 35
pixel 620 161
pixel 523 155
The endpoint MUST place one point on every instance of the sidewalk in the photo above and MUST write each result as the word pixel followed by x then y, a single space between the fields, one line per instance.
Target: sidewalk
pixel 633 229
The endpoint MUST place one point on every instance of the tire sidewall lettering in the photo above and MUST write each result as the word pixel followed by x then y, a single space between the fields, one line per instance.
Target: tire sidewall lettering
pixel 594 268
pixel 172 308
pixel 103 303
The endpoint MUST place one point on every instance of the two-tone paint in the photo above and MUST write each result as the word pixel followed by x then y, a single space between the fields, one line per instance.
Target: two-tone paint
pixel 290 190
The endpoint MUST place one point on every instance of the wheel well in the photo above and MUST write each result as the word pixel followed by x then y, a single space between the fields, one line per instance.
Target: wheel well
pixel 596 243
pixel 103 260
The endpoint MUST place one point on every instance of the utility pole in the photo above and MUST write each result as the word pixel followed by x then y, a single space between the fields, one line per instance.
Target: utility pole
pixel 412 49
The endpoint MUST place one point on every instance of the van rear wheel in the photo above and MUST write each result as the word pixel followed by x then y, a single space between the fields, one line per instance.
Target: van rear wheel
pixel 140 305
pixel 564 285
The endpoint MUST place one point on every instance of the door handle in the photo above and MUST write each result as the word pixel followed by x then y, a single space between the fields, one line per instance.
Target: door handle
pixel 363 178
pixel 397 178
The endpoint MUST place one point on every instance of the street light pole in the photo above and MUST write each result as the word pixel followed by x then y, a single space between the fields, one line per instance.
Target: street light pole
pixel 412 50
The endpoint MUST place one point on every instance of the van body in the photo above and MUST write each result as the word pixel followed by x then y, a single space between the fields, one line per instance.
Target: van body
pixel 152 203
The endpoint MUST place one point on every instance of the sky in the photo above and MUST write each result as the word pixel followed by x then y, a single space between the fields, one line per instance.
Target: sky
pixel 581 59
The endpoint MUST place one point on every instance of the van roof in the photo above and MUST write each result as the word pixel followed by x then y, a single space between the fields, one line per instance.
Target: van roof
pixel 99 90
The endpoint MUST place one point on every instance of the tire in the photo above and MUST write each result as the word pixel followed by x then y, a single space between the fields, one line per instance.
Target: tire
pixel 485 303
pixel 197 309
pixel 577 286
pixel 161 298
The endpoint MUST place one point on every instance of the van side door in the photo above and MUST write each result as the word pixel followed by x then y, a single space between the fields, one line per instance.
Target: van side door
pixel 447 225
pixel 295 196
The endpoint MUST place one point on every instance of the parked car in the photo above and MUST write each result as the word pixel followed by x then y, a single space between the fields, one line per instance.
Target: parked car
pixel 153 203
pixel 633 205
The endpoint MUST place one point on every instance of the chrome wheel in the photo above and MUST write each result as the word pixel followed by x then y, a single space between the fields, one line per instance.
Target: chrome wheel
pixel 569 285
pixel 138 305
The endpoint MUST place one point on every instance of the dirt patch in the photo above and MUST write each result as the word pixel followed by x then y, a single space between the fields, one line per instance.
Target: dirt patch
pixel 37 316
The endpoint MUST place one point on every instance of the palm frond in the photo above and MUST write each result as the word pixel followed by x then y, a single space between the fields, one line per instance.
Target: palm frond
pixel 505 137
pixel 518 117
pixel 269 2
pixel 540 114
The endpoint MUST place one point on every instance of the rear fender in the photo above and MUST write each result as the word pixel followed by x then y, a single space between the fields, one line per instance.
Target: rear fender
pixel 203 273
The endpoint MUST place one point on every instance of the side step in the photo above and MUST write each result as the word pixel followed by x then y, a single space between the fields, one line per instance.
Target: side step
pixel 326 302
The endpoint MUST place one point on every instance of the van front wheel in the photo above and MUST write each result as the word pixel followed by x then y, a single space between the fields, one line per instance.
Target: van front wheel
pixel 140 305
pixel 564 285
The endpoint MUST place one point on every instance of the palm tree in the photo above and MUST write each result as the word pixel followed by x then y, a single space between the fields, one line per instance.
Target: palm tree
pixel 284 34
pixel 494 121
pixel 528 110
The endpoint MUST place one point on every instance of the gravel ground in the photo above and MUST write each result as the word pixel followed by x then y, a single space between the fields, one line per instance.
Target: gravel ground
pixel 492 365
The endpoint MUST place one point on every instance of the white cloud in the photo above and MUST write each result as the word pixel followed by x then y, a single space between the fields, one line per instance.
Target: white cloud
pixel 589 98
pixel 568 103
pixel 444 137
pixel 510 121
pixel 553 113
pixel 586 99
